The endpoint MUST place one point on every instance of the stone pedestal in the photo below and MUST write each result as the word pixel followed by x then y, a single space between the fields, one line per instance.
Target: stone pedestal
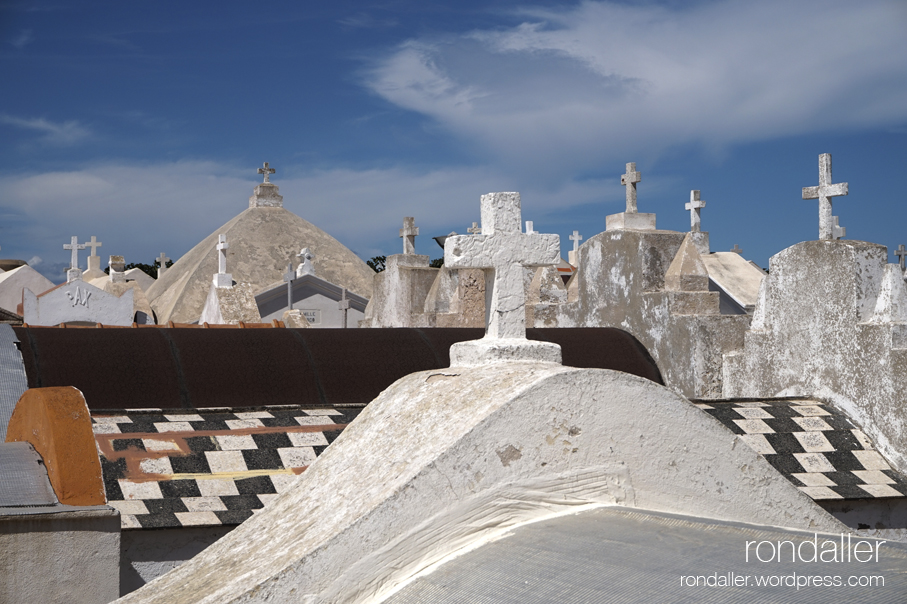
pixel 266 195
pixel 626 220
pixel 499 350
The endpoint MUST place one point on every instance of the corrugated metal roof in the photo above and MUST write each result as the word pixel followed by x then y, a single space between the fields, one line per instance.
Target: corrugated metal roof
pixel 621 556
pixel 23 477
pixel 13 381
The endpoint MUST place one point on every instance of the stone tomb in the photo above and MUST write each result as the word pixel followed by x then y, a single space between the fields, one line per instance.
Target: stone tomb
pixel 78 302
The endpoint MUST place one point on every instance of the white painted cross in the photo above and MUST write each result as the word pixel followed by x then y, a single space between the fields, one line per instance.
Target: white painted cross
pixel 266 171
pixel 94 244
pixel 288 277
pixel 408 234
pixel 475 229
pixel 529 228
pixel 222 278
pixel 737 249
pixel 837 231
pixel 344 305
pixel 695 206
pixel 162 262
pixel 629 180
pixel 305 263
pixel 901 253
pixel 824 192
pixel 75 246
pixel 502 251
pixel 575 238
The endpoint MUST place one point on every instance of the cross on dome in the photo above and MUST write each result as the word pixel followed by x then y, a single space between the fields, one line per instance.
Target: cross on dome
pixel 629 180
pixel 824 192
pixel 694 206
pixel 267 170
pixel 737 249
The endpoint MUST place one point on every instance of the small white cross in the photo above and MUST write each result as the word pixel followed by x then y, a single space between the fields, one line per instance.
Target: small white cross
pixel 305 263
pixel 837 231
pixel 529 228
pixel 629 180
pixel 266 171
pixel 575 238
pixel 475 229
pixel 94 244
pixel 694 207
pixel 737 249
pixel 408 233
pixel 162 261
pixel 222 247
pixel 824 192
pixel 502 251
pixel 901 253
pixel 75 246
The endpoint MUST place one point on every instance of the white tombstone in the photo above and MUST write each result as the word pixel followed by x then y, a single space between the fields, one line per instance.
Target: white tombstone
pixel 74 272
pixel 824 192
pixel 631 218
pixel 502 252
pixel 408 234
pixel 305 262
pixel 222 279
pixel 80 302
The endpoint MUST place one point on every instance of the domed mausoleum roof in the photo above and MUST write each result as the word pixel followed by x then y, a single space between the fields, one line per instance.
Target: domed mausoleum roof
pixel 262 239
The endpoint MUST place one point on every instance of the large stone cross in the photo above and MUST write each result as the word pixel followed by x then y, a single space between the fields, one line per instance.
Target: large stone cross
pixel 575 238
pixel 475 229
pixel 695 206
pixel 267 170
pixel 629 180
pixel 901 253
pixel 94 244
pixel 824 192
pixel 75 246
pixel 408 233
pixel 502 251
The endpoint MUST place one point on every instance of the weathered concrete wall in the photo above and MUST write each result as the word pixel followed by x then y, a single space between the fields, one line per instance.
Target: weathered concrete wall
pixel 78 301
pixel 399 293
pixel 446 459
pixel 620 282
pixel 71 557
pixel 820 329
pixel 148 554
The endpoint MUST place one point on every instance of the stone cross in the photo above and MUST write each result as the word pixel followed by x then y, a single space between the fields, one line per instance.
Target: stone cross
pixel 737 249
pixel 266 171
pixel 305 263
pixel 837 231
pixel 162 261
pixel 824 192
pixel 695 206
pixel 901 253
pixel 529 228
pixel 502 251
pixel 222 278
pixel 344 305
pixel 475 229
pixel 288 277
pixel 575 238
pixel 408 234
pixel 94 244
pixel 629 180
pixel 75 246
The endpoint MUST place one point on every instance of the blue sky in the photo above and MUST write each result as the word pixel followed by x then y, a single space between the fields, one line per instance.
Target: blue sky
pixel 144 123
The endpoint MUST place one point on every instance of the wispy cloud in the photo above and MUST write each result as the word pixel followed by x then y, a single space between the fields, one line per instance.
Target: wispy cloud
pixel 23 39
pixel 603 80
pixel 52 133
pixel 366 21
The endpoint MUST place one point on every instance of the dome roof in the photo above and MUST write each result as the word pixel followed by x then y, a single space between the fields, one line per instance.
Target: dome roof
pixel 262 239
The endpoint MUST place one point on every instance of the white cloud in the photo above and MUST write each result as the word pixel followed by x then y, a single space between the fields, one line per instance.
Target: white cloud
pixel 23 39
pixel 58 134
pixel 604 81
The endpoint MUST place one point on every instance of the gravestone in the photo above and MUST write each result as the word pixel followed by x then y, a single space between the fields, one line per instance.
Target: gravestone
pixel 94 261
pixel 80 303
pixel 699 237
pixel 408 234
pixel 228 303
pixel 222 279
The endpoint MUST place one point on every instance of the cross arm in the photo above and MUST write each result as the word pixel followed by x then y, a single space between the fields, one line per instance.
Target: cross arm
pixel 835 190
pixel 487 251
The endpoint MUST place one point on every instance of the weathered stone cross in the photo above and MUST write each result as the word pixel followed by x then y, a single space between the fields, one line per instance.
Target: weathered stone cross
pixel 288 277
pixel 695 206
pixel 408 234
pixel 737 249
pixel 502 251
pixel 222 278
pixel 629 180
pixel 475 229
pixel 575 238
pixel 824 192
pixel 94 244
pixel 267 171
pixel 901 253
pixel 75 246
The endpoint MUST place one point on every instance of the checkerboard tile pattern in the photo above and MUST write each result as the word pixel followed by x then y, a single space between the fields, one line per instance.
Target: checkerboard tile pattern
pixel 206 467
pixel 813 445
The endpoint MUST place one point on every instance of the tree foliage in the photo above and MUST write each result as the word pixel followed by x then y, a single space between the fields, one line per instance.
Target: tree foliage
pixel 377 263
pixel 437 262
pixel 148 269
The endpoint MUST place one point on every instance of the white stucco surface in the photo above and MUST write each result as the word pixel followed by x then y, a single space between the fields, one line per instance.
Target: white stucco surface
pixel 13 282
pixel 443 460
